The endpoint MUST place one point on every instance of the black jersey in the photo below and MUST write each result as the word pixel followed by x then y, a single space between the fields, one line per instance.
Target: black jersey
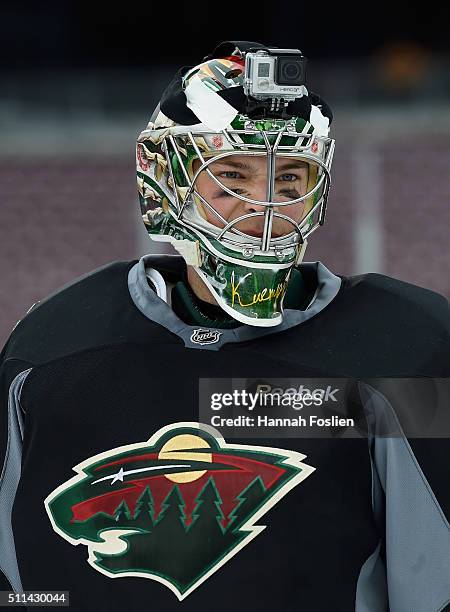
pixel 111 490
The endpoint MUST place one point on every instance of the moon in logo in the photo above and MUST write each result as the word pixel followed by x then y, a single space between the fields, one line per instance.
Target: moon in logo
pixel 175 449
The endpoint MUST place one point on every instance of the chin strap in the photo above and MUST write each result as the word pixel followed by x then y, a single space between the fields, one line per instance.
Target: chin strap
pixel 301 253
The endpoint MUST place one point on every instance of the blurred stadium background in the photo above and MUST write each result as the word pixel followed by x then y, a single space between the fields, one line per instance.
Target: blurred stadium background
pixel 80 80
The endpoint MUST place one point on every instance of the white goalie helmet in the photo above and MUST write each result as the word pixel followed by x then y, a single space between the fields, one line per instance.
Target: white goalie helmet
pixel 242 243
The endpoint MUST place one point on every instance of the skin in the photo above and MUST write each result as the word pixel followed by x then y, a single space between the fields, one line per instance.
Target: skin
pixel 246 175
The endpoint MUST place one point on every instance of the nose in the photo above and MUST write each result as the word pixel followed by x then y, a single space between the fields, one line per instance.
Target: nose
pixel 257 192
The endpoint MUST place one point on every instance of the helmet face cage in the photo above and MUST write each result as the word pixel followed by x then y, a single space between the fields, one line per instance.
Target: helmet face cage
pixel 181 150
pixel 246 274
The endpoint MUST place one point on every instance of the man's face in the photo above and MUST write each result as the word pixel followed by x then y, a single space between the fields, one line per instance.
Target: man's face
pixel 247 175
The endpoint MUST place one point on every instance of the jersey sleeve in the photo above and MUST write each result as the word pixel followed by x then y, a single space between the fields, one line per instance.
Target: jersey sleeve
pixel 411 505
pixel 11 436
pixel 4 583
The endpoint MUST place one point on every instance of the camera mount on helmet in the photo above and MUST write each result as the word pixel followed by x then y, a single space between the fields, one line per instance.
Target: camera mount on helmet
pixel 274 79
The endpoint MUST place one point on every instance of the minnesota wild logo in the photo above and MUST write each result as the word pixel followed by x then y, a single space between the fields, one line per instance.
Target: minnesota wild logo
pixel 175 508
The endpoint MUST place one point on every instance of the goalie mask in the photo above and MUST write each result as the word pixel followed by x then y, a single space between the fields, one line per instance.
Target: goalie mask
pixel 235 184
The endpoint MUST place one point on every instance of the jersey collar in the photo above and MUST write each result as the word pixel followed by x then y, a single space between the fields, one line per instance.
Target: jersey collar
pixel 152 303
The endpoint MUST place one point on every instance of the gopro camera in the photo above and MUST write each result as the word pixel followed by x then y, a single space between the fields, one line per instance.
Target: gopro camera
pixel 275 73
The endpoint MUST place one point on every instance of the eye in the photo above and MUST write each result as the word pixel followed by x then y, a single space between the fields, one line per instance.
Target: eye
pixel 230 174
pixel 288 178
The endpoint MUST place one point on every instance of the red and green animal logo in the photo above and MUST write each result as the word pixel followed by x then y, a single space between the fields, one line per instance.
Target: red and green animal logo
pixel 174 509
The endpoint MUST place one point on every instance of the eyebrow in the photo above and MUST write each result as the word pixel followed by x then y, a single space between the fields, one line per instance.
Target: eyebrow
pixel 243 166
pixel 293 165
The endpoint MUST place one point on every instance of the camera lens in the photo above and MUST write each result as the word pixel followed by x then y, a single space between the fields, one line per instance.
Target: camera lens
pixel 290 71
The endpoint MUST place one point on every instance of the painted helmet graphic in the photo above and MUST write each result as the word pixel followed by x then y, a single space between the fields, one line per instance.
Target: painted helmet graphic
pixel 207 127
